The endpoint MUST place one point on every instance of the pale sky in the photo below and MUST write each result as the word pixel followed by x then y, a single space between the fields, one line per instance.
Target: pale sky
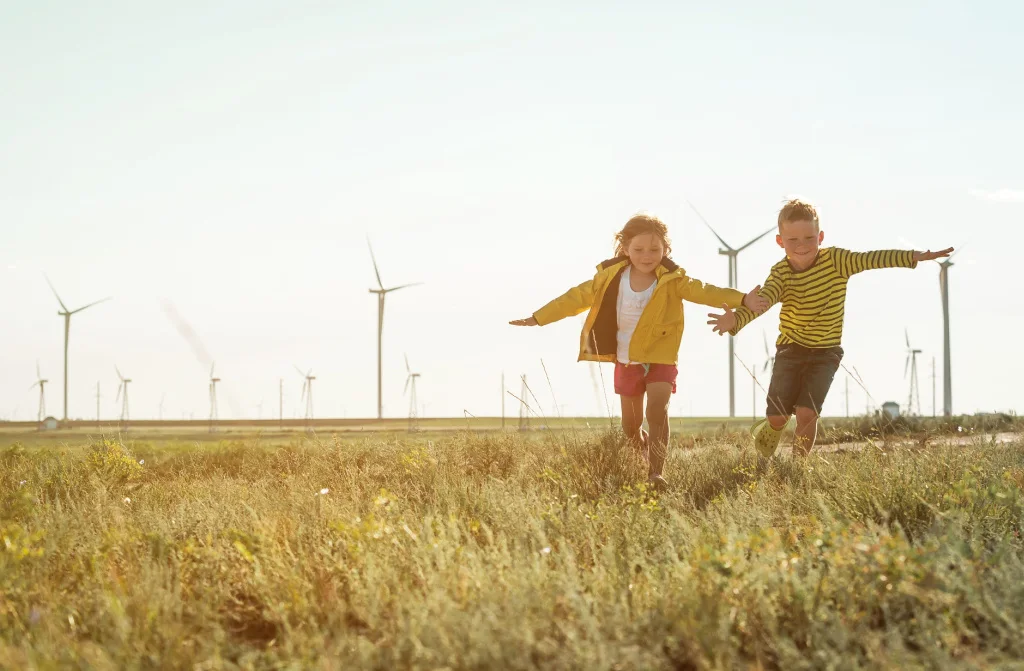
pixel 232 157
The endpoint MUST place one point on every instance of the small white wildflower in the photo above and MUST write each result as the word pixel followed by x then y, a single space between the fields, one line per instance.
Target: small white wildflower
pixel 22 483
pixel 735 590
pixel 882 578
pixel 127 500
pixel 794 560
pixel 862 547
pixel 546 551
pixel 142 462
pixel 324 491
pixel 818 543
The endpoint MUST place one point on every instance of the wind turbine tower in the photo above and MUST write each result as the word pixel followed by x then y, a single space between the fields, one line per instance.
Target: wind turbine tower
pixel 122 395
pixel 66 314
pixel 410 381
pixel 915 392
pixel 769 365
pixel 732 253
pixel 524 409
pixel 947 376
pixel 213 399
pixel 381 295
pixel 307 395
pixel 42 393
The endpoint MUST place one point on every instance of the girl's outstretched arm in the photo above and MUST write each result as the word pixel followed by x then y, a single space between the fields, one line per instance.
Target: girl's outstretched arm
pixel 696 291
pixel 569 304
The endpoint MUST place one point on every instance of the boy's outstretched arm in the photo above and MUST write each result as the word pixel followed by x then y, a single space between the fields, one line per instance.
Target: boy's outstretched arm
pixel 850 263
pixel 571 303
pixel 931 256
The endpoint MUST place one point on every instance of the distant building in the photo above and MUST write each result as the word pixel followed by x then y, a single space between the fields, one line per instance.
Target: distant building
pixel 48 424
pixel 891 409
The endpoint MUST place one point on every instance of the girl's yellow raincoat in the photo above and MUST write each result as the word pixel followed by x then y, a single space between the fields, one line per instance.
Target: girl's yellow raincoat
pixel 660 329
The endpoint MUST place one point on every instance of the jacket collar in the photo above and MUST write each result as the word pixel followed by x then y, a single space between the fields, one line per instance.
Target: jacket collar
pixel 667 265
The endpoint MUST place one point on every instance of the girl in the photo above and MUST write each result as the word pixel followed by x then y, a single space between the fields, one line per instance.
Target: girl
pixel 636 321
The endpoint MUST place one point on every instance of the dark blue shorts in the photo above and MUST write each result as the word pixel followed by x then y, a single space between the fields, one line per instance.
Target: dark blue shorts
pixel 801 377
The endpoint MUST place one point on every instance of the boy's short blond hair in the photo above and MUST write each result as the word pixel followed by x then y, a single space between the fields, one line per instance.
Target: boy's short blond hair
pixel 797 210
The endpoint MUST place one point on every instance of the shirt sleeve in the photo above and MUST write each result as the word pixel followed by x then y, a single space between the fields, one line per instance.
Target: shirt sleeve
pixel 850 263
pixel 770 290
pixel 569 304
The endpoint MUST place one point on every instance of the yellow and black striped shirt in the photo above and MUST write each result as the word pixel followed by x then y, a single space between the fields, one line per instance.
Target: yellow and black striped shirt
pixel 813 300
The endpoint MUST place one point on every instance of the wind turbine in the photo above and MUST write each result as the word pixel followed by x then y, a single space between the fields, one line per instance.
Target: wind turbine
pixel 66 314
pixel 307 395
pixel 411 379
pixel 911 363
pixel 213 398
pixel 732 253
pixel 122 395
pixel 381 294
pixel 41 383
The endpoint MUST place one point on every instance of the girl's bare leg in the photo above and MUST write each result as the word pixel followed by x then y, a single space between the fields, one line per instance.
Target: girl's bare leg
pixel 632 422
pixel 658 396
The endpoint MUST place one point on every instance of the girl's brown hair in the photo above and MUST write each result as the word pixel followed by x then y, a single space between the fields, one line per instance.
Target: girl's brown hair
pixel 639 225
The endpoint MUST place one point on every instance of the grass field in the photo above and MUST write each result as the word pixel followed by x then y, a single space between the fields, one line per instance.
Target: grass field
pixel 462 549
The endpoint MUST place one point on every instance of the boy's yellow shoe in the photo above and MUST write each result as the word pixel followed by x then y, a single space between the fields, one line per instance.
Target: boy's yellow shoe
pixel 766 439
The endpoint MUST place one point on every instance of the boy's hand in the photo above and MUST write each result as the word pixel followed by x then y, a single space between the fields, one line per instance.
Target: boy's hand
pixel 754 302
pixel 931 256
pixel 529 321
pixel 722 324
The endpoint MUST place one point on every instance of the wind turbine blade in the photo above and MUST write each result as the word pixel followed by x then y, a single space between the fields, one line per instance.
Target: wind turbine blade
pixel 120 377
pixel 407 369
pixel 403 286
pixel 906 365
pixel 957 250
pixel 374 259
pixel 724 243
pixel 409 377
pixel 757 238
pixel 102 300
pixel 906 335
pixel 39 376
pixel 765 338
pixel 211 370
pixel 119 388
pixel 298 370
pixel 63 307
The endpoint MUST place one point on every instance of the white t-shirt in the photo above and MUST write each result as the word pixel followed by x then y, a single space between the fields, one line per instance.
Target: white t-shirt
pixel 630 306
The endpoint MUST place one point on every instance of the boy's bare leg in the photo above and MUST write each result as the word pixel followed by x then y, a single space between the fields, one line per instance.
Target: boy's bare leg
pixel 632 422
pixel 658 396
pixel 806 431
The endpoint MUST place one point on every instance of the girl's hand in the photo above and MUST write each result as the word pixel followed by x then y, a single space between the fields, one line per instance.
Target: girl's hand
pixel 529 321
pixel 931 256
pixel 754 302
pixel 722 324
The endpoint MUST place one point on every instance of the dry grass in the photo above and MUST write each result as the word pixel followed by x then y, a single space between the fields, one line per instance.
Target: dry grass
pixel 502 552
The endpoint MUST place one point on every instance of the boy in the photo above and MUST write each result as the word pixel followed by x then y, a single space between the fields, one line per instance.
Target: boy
pixel 811 285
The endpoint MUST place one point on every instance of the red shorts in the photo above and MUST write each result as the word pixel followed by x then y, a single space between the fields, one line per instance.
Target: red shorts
pixel 632 380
